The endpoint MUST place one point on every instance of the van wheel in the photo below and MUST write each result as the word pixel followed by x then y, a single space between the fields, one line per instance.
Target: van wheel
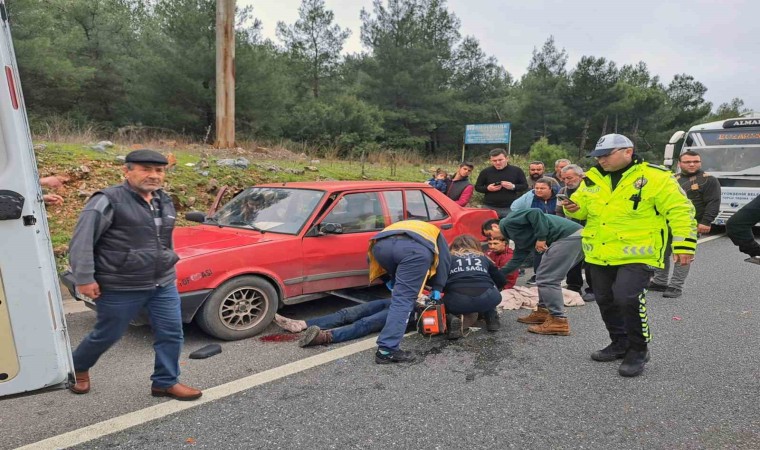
pixel 240 308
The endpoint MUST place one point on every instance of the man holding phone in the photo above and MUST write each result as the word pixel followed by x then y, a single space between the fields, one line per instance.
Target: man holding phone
pixel 501 183
pixel 629 207
pixel 572 175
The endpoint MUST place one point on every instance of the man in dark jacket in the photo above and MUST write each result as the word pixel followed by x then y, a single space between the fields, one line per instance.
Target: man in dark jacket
pixel 460 189
pixel 704 192
pixel 501 183
pixel 739 229
pixel 560 241
pixel 121 257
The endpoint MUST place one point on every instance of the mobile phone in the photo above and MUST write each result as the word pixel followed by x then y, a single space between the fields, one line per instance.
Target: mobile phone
pixel 495 184
pixel 564 198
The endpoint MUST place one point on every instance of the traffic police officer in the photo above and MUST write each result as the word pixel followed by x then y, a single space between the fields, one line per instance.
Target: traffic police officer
pixel 628 205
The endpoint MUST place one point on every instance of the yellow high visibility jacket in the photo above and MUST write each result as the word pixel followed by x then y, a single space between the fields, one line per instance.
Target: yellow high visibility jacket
pixel 425 232
pixel 630 224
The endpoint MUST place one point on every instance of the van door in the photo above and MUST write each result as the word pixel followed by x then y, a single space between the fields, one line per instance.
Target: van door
pixel 34 343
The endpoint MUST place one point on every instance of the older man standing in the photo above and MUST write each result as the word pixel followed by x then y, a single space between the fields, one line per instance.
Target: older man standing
pixel 121 256
pixel 572 175
pixel 629 207
pixel 501 183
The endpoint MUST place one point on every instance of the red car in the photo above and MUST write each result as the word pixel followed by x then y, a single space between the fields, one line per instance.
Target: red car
pixel 288 243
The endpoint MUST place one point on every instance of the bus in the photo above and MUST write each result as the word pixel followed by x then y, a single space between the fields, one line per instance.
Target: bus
pixel 34 342
pixel 730 151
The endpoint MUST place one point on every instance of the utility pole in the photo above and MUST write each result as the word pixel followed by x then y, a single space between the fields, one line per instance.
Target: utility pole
pixel 225 74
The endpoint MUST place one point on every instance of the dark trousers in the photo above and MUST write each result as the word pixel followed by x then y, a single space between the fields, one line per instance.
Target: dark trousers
pixel 408 262
pixel 620 293
pixel 115 309
pixel 575 278
pixel 354 322
pixel 739 227
pixel 457 303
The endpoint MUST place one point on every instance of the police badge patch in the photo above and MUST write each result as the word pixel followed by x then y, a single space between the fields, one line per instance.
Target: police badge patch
pixel 640 183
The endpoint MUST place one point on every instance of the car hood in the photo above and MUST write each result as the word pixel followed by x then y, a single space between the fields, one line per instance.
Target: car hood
pixel 199 240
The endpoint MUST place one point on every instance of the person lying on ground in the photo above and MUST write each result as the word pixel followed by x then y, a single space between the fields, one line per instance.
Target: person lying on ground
pixel 343 325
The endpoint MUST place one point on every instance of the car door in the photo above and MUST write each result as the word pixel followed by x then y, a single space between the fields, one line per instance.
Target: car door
pixel 338 260
pixel 415 204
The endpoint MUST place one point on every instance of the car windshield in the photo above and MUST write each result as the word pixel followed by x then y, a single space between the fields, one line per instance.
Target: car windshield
pixel 279 210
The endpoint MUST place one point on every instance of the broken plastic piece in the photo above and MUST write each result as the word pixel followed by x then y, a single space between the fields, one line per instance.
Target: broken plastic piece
pixel 207 351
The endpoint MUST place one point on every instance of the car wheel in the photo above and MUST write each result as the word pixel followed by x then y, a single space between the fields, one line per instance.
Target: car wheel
pixel 240 308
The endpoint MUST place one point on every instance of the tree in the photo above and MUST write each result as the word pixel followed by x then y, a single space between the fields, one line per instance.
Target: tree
pixel 411 44
pixel 687 100
pixel 543 112
pixel 314 42
pixel 591 92
pixel 734 108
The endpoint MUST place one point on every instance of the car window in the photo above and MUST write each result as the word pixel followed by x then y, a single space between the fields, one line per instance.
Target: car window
pixel 278 210
pixel 395 202
pixel 419 206
pixel 357 213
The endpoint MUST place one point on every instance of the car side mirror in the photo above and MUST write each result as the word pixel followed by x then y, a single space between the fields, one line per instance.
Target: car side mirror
pixel 195 216
pixel 331 228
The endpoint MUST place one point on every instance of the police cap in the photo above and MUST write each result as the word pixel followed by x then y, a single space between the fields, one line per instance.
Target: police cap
pixel 609 142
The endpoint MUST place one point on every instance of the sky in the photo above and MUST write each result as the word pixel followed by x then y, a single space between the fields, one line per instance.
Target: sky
pixel 714 41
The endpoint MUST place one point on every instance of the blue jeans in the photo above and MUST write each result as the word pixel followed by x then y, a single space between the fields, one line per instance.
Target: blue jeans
pixel 115 309
pixel 354 322
pixel 408 262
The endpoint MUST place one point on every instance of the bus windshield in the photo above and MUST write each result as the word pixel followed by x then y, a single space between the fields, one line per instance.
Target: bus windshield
pixel 727 150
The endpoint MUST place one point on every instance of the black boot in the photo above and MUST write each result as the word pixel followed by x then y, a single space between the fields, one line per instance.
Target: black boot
pixel 454 326
pixel 492 320
pixel 633 363
pixel 616 350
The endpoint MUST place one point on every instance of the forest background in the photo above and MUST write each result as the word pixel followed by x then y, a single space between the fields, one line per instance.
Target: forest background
pixel 126 67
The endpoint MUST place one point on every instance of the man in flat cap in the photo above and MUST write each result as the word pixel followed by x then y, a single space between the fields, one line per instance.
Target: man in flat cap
pixel 630 207
pixel 121 256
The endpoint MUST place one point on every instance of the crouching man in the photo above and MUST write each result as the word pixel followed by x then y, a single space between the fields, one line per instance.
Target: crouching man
pixel 559 240
pixel 408 254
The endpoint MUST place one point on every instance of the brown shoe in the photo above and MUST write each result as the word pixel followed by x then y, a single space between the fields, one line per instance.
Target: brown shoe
pixel 553 325
pixel 315 336
pixel 538 316
pixel 178 392
pixel 82 384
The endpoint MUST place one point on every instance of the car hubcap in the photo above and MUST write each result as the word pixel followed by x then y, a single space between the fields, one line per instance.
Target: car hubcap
pixel 243 308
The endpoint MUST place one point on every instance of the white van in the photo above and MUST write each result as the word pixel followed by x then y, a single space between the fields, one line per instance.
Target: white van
pixel 34 344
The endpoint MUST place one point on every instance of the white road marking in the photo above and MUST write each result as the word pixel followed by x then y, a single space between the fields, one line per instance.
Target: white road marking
pixel 145 415
pixel 710 238
pixel 142 416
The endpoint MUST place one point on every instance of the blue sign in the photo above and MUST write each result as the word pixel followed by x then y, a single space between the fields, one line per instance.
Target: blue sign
pixel 487 133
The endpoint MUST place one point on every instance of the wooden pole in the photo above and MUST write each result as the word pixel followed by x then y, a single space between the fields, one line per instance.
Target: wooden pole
pixel 225 74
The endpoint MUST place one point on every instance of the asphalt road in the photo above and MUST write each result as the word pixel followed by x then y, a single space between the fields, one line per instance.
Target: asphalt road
pixel 509 389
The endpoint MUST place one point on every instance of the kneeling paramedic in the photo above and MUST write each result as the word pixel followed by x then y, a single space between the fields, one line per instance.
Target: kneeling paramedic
pixel 408 254
pixel 628 205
